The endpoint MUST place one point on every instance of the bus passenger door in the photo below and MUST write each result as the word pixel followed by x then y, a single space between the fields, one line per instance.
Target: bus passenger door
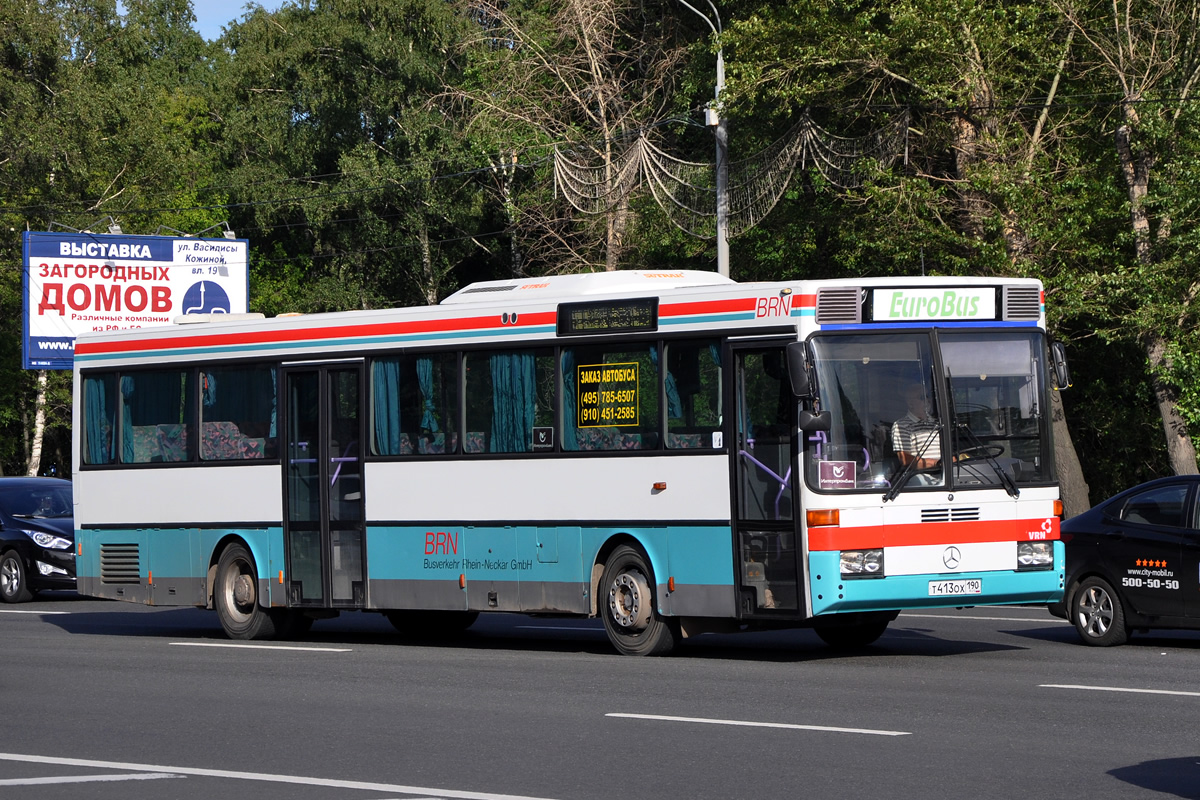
pixel 323 495
pixel 766 535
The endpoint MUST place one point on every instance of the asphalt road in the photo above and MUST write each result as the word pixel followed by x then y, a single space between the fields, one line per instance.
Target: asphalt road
pixel 100 701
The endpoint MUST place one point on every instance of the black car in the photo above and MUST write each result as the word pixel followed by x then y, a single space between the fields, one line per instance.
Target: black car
pixel 1133 562
pixel 37 537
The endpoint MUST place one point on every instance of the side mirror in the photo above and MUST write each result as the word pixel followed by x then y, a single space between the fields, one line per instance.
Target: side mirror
pixel 797 361
pixel 1058 359
pixel 820 421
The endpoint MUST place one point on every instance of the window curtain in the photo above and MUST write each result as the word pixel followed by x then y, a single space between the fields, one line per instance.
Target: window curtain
pixel 99 424
pixel 570 431
pixel 127 394
pixel 425 382
pixel 513 402
pixel 674 404
pixel 386 388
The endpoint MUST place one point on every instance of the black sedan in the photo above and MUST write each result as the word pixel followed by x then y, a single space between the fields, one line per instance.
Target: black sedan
pixel 37 537
pixel 1133 562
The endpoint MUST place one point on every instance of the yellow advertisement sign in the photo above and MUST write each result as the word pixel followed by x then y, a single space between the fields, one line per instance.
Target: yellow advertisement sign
pixel 607 394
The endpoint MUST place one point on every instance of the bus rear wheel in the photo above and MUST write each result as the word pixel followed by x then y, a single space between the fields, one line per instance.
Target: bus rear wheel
pixel 629 607
pixel 235 595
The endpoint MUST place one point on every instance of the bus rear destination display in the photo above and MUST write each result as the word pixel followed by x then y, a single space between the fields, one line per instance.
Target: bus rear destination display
pixel 611 316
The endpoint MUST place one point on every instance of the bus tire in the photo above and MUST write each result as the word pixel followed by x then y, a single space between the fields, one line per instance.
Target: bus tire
pixel 431 624
pixel 1097 614
pixel 235 596
pixel 852 637
pixel 629 607
pixel 14 584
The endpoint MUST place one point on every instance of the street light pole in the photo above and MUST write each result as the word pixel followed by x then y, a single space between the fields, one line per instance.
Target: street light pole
pixel 716 120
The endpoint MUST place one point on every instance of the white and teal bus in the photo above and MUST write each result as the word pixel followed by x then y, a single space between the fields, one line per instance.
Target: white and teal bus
pixel 672 452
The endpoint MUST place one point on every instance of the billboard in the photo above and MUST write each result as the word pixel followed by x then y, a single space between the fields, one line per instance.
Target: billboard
pixel 79 282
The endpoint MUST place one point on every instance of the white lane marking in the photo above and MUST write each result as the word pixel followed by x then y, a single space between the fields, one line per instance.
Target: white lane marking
pixel 141 776
pixel 1048 618
pixel 743 723
pixel 265 777
pixel 22 611
pixel 1115 689
pixel 263 647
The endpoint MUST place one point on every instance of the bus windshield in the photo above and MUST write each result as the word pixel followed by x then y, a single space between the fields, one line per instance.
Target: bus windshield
pixel 894 418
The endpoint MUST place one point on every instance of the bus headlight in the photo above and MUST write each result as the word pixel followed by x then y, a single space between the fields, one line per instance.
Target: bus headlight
pixel 862 562
pixel 1035 555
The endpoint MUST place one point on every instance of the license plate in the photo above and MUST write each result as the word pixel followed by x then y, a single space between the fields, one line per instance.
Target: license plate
pixel 951 588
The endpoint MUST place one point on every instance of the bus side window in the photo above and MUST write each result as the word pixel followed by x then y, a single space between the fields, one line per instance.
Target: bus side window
pixel 508 394
pixel 157 409
pixel 610 398
pixel 414 405
pixel 99 418
pixel 692 382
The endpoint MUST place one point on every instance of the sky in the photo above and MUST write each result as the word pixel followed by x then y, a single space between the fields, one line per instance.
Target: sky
pixel 212 15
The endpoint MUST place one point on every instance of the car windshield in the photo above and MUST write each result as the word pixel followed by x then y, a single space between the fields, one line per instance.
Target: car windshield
pixel 36 502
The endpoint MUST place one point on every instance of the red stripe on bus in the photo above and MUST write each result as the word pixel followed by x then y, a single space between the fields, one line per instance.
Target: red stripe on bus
pixel 707 307
pixel 870 536
pixel 311 334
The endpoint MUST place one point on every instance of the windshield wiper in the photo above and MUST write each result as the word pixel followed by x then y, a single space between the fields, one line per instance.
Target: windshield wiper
pixel 911 467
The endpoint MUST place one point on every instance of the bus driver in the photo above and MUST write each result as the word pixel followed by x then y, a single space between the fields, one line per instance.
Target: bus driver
pixel 915 435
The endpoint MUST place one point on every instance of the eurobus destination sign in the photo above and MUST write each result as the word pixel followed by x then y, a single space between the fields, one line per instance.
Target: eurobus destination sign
pixel 76 283
pixel 911 304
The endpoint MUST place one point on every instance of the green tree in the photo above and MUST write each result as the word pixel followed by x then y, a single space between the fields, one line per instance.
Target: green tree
pixel 341 165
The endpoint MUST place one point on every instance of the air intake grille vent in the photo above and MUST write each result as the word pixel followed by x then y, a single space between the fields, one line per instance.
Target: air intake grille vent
pixel 949 514
pixel 119 563
pixel 839 306
pixel 479 289
pixel 1022 302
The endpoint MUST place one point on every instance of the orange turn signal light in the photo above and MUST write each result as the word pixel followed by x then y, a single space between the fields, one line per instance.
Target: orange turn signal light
pixel 1058 508
pixel 823 517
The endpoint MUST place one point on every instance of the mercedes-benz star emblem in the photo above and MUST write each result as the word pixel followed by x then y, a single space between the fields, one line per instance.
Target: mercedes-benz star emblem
pixel 951 557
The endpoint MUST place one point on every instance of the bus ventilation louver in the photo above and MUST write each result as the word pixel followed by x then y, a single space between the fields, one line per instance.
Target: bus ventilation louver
pixel 949 514
pixel 479 289
pixel 839 306
pixel 120 563
pixel 1022 302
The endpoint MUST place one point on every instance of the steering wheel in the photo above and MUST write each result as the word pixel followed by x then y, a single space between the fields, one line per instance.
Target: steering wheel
pixel 981 450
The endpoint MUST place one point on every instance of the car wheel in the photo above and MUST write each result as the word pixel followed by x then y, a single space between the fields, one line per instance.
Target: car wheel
pixel 1098 615
pixel 14 588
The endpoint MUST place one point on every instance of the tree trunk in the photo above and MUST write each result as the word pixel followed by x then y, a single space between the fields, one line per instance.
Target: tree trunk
pixel 1181 453
pixel 1073 487
pixel 39 426
pixel 429 281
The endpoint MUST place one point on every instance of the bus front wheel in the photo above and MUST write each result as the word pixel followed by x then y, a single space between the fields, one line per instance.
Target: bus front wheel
pixel 629 608
pixel 235 596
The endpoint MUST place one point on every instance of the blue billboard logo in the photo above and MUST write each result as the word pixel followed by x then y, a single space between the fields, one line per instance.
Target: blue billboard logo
pixel 205 297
